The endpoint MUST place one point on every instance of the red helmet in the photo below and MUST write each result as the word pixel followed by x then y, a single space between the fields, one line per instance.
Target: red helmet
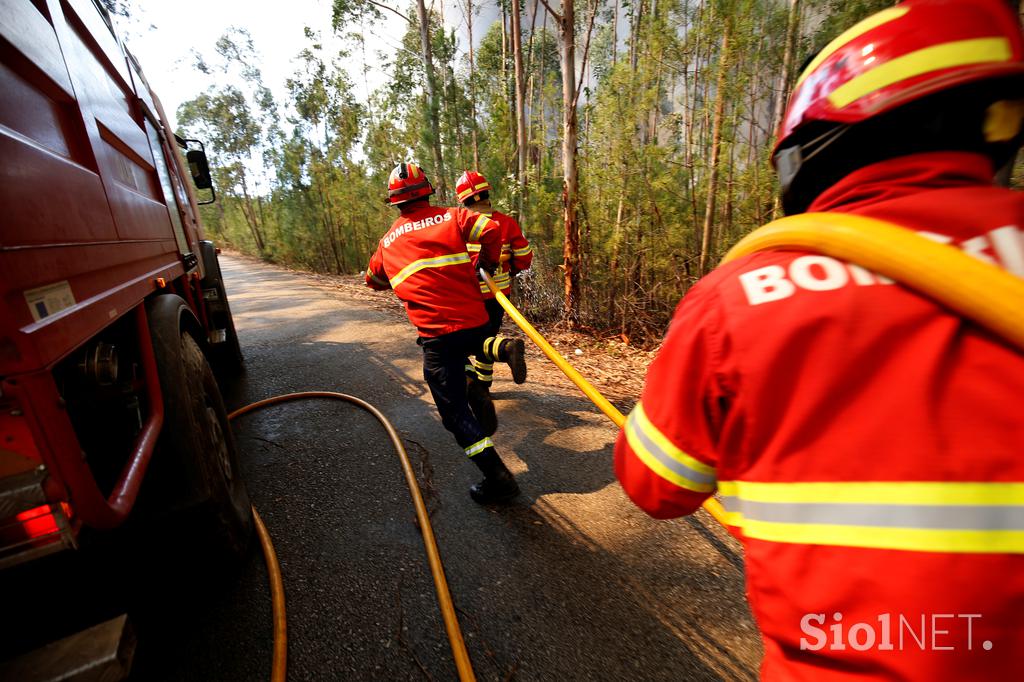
pixel 897 56
pixel 469 184
pixel 408 182
pixel 902 54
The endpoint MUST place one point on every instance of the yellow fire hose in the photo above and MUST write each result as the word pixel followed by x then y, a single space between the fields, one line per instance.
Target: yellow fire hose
pixel 444 597
pixel 711 505
pixel 983 293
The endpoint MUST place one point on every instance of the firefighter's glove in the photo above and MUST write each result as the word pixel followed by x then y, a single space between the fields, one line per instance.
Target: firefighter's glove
pixel 486 267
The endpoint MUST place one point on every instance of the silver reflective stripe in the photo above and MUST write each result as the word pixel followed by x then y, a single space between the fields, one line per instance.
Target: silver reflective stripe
pixel 423 263
pixel 669 462
pixel 946 517
pixel 479 446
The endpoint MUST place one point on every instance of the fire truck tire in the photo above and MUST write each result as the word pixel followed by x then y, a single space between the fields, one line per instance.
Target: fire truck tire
pixel 227 356
pixel 197 436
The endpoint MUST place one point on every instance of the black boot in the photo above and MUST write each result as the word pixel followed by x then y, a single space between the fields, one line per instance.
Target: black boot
pixel 482 405
pixel 498 485
pixel 513 352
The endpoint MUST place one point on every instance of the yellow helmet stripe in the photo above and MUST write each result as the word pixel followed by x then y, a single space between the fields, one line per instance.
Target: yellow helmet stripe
pixel 935 58
pixel 874 21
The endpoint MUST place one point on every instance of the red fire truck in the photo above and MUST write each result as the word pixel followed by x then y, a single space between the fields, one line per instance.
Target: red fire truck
pixel 113 313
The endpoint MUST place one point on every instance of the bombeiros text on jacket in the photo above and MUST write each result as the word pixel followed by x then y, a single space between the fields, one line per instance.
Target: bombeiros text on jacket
pixel 411 226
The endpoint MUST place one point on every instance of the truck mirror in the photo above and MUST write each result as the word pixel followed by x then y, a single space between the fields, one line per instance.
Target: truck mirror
pixel 199 167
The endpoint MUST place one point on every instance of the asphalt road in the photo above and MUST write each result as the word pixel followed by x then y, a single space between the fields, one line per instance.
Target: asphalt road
pixel 569 582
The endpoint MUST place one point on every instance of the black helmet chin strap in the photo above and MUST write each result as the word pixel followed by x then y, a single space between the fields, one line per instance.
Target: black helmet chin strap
pixel 790 161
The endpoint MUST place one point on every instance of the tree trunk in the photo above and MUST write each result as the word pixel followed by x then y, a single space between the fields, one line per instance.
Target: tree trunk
pixel 792 26
pixel 615 34
pixel 517 57
pixel 250 217
pixel 570 180
pixel 432 103
pixel 707 242
pixel 542 145
pixel 472 86
pixel 531 82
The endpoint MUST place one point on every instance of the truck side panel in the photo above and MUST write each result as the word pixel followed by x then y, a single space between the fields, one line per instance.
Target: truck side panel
pixel 88 248
pixel 107 99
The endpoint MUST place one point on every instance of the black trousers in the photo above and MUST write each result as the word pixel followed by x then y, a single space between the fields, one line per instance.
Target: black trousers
pixel 482 368
pixel 444 362
pixel 495 315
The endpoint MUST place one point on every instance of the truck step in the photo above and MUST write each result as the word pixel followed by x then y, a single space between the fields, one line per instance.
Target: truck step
pixel 103 652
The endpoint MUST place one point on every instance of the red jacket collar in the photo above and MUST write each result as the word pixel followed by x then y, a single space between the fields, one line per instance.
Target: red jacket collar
pixel 903 176
pixel 413 206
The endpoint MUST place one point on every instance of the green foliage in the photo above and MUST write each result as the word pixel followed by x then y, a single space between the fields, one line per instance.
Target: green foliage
pixel 314 196
pixel 836 17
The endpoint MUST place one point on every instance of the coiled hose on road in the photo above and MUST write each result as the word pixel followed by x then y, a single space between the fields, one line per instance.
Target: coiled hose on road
pixel 977 291
pixel 444 597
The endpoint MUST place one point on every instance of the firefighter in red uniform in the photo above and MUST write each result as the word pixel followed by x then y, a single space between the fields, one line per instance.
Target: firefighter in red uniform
pixel 867 444
pixel 423 257
pixel 474 192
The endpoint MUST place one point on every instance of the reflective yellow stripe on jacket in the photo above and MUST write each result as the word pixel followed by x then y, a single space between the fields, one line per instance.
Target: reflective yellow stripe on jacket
pixel 985 518
pixel 435 262
pixel 478 228
pixel 501 278
pixel 506 251
pixel 665 459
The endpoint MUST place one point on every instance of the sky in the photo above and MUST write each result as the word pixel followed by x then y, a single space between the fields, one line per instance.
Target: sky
pixel 162 36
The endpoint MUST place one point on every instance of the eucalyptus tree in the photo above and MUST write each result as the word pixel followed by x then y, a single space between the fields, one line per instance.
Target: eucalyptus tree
pixel 225 119
pixel 350 11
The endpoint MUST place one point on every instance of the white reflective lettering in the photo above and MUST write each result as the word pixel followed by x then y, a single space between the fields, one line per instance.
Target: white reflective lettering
pixel 766 284
pixel 936 237
pixel 861 276
pixel 976 246
pixel 803 271
pixel 1008 243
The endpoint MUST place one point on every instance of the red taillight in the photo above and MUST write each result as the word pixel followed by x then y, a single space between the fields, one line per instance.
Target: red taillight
pixel 38 522
pixel 42 524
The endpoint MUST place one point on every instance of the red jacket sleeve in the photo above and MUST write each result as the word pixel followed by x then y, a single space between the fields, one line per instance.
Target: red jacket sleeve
pixel 665 455
pixel 478 228
pixel 376 278
pixel 522 252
